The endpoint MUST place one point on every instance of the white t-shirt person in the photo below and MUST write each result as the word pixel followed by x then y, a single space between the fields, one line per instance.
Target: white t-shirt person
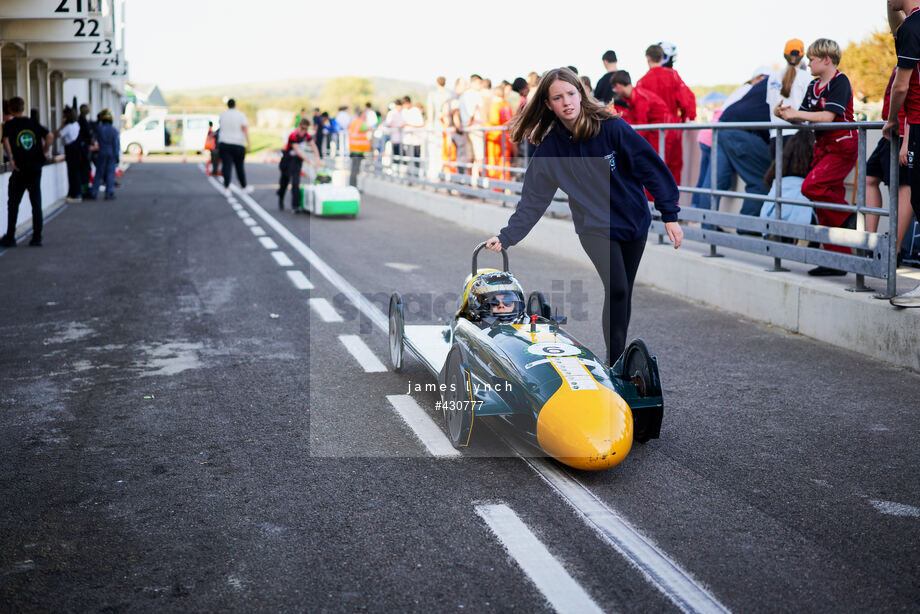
pixel 232 123
pixel 70 132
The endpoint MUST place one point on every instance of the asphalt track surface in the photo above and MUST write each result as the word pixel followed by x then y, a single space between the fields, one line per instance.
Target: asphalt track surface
pixel 181 431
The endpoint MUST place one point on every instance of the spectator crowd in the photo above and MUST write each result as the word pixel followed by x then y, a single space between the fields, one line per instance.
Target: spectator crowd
pixel 466 124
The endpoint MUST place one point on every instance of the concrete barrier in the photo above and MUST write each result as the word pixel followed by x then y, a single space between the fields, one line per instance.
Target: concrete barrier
pixel 54 190
pixel 818 308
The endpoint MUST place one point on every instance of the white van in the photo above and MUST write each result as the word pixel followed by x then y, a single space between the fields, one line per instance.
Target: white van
pixel 165 133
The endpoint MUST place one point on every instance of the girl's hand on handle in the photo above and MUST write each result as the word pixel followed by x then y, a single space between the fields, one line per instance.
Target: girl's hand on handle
pixel 494 244
pixel 675 233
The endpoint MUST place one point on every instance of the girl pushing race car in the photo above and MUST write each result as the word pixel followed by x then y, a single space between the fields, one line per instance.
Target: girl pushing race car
pixel 605 167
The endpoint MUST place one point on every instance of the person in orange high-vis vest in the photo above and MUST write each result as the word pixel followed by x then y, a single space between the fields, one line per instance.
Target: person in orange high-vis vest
pixel 497 144
pixel 359 143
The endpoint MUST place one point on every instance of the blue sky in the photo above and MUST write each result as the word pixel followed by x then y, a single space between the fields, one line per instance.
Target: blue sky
pixel 212 42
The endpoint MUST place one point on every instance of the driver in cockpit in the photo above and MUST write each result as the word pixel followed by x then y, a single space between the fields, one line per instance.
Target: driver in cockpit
pixel 495 297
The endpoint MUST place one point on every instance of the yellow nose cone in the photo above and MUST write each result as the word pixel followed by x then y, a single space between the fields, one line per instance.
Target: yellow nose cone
pixel 586 429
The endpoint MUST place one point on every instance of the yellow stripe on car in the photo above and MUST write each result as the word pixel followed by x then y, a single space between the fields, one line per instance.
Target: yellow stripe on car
pixel 584 424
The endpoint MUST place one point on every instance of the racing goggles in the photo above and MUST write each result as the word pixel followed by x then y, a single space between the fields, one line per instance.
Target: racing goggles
pixel 503 299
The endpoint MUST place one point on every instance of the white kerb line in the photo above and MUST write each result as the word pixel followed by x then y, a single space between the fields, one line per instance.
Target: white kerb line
pixel 268 243
pixel 325 310
pixel 564 594
pixel 422 425
pixel 300 280
pixel 363 354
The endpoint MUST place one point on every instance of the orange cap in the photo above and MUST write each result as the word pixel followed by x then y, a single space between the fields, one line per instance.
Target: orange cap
pixel 794 47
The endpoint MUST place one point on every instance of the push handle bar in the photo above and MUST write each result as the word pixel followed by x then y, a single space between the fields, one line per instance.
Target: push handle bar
pixel 479 249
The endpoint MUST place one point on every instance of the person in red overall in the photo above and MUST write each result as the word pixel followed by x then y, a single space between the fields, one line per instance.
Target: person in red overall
pixel 829 98
pixel 681 102
pixel 646 107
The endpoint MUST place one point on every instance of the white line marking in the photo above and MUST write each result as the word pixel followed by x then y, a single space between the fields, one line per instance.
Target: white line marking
pixel 243 214
pixel 258 231
pixel 282 259
pixel 422 425
pixel 675 583
pixel 236 206
pixel 363 354
pixel 268 243
pixel 373 313
pixel 895 509
pixel 249 221
pixel 401 266
pixel 564 594
pixel 667 576
pixel 324 310
pixel 300 281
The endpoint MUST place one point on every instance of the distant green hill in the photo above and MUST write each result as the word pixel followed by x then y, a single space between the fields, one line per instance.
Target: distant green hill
pixel 287 94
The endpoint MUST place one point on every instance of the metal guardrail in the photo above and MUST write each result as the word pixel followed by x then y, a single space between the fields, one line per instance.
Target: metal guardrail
pixel 873 254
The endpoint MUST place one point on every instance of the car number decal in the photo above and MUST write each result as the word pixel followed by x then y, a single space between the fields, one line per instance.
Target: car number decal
pixel 553 349
pixel 574 373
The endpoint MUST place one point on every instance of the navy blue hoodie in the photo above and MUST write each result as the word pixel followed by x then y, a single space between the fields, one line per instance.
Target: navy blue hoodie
pixel 604 178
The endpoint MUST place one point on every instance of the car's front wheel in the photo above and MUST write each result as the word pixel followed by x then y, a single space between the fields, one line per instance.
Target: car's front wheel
pixel 457 401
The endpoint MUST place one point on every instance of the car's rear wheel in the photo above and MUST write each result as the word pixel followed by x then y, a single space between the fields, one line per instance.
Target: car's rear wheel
pixel 457 402
pixel 135 149
pixel 397 328
pixel 640 369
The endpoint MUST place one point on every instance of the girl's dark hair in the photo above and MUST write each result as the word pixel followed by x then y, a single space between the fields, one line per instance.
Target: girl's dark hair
pixel 70 116
pixel 798 151
pixel 789 75
pixel 535 121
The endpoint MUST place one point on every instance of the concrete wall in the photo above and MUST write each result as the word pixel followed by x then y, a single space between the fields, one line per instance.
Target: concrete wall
pixel 54 190
pixel 816 308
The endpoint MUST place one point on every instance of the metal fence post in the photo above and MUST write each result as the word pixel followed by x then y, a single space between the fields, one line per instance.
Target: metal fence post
pixel 713 177
pixel 893 247
pixel 778 194
pixel 861 201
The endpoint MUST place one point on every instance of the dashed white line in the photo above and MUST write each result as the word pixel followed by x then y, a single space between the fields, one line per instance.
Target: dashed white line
pixel 268 243
pixel 300 281
pixel 325 310
pixel 422 425
pixel 249 221
pixel 895 509
pixel 243 214
pixel 258 231
pixel 564 594
pixel 363 354
pixel 365 306
pixel 282 259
